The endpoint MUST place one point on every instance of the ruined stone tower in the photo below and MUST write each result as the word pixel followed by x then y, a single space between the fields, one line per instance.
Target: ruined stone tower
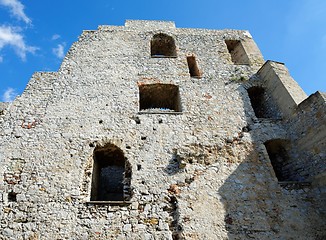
pixel 149 131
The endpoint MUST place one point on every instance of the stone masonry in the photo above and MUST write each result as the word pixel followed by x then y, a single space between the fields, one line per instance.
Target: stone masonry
pixel 149 131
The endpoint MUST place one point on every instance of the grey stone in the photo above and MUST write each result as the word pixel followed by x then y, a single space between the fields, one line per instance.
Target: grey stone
pixel 197 129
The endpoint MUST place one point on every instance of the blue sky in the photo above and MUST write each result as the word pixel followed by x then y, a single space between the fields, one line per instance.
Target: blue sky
pixel 35 35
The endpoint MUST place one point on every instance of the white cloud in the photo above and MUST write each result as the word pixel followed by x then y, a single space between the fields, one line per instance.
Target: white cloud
pixel 59 50
pixel 55 37
pixel 9 95
pixel 16 9
pixel 10 36
pixel 1 59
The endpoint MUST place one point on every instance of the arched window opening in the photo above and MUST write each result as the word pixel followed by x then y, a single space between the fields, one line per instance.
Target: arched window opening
pixel 163 45
pixel 162 97
pixel 256 95
pixel 278 155
pixel 237 52
pixel 111 175
pixel 193 68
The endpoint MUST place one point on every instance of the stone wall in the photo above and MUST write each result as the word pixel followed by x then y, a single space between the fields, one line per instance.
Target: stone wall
pixel 308 130
pixel 285 92
pixel 199 172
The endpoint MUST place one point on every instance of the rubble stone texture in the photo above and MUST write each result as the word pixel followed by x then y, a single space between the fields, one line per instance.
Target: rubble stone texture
pixel 197 136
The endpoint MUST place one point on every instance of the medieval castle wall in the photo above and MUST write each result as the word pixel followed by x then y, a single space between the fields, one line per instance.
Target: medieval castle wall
pixel 196 135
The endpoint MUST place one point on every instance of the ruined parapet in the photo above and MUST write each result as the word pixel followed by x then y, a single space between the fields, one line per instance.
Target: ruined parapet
pixel 152 25
pixel 298 155
pixel 307 130
pixel 284 91
pixel 309 122
pixel 3 107
pixel 41 82
pixel 36 98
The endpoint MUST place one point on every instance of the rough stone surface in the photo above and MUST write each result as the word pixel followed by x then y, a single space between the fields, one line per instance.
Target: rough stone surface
pixel 201 172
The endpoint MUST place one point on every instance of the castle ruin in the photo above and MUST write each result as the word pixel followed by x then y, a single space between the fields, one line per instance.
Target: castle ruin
pixel 149 131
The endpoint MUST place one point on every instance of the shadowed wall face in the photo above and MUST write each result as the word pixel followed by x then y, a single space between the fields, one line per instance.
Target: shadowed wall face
pixel 262 103
pixel 279 158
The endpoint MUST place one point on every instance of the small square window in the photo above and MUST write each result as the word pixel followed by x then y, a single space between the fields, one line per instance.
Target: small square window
pixel 163 98
pixel 163 46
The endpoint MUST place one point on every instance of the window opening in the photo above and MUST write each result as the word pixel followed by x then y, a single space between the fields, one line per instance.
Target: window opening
pixel 237 52
pixel 279 158
pixel 256 95
pixel 193 68
pixel 12 197
pixel 162 97
pixel 111 175
pixel 163 45
pixel 263 104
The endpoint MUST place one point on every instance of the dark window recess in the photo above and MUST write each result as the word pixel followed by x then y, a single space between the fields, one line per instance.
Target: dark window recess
pixel 278 155
pixel 263 104
pixel 163 45
pixel 237 52
pixel 256 95
pixel 163 97
pixel 193 68
pixel 111 175
pixel 12 197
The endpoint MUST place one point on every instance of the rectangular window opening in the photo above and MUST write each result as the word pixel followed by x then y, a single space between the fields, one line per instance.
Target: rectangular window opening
pixel 193 68
pixel 111 176
pixel 159 98
pixel 262 104
pixel 279 158
pixel 237 52
pixel 163 46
